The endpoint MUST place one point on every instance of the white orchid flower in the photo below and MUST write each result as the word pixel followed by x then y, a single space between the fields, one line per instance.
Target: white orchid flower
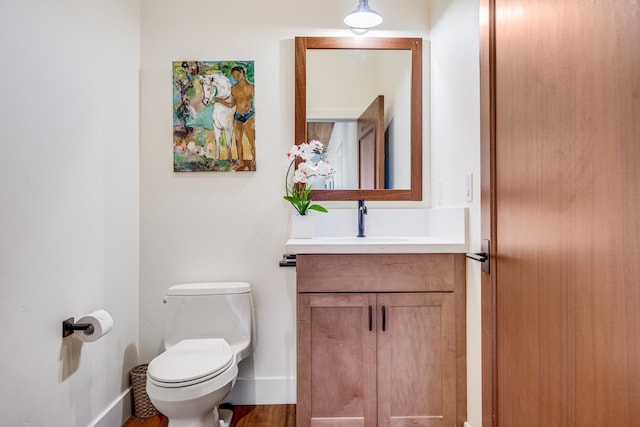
pixel 310 158
pixel 299 176
pixel 305 152
pixel 325 169
pixel 316 146
pixel 293 153
pixel 307 167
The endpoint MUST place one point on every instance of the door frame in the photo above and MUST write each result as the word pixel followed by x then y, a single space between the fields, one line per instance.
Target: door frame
pixel 488 210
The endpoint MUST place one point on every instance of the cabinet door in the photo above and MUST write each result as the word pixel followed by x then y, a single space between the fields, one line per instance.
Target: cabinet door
pixel 336 360
pixel 416 360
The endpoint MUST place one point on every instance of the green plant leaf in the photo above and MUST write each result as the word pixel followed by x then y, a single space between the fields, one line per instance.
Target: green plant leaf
pixel 318 208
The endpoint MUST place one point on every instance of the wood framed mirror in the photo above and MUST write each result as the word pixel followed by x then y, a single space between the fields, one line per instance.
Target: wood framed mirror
pixel 371 87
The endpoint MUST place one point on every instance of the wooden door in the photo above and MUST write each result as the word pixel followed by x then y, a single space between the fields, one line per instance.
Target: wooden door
pixel 371 146
pixel 416 359
pixel 336 347
pixel 561 193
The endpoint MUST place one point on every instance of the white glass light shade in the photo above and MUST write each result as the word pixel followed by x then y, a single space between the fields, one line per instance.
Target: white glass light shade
pixel 363 17
pixel 359 31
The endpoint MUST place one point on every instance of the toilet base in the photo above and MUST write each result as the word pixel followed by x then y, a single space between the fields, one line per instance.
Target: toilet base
pixel 225 417
pixel 217 417
pixel 195 405
pixel 209 419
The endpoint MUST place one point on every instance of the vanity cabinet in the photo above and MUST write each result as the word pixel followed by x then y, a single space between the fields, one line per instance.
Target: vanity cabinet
pixel 381 340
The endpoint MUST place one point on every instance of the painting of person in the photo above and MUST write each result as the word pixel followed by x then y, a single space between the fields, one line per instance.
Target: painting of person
pixel 244 118
pixel 214 116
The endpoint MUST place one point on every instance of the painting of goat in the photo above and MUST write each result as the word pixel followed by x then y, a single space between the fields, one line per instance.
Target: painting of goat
pixel 213 116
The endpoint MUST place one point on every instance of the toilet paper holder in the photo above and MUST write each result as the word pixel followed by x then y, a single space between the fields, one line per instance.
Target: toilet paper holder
pixel 68 327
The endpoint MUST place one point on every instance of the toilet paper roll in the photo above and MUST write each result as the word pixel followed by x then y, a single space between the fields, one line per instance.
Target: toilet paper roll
pixel 102 323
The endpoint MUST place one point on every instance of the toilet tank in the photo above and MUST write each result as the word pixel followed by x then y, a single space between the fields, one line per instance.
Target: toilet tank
pixel 211 310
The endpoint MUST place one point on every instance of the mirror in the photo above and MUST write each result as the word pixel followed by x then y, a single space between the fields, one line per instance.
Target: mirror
pixel 362 98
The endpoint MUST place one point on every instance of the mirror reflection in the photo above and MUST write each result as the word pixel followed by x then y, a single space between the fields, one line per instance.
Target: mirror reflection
pixel 358 106
pixel 362 98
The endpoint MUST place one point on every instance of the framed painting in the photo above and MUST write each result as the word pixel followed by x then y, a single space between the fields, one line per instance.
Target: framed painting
pixel 214 116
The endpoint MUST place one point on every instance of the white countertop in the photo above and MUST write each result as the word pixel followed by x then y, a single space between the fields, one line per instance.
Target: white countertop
pixel 373 245
pixel 441 230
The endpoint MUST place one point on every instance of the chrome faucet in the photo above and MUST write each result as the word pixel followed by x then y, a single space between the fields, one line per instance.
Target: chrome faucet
pixel 362 211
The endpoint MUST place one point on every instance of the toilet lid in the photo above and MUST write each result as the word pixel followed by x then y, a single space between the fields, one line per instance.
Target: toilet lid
pixel 191 360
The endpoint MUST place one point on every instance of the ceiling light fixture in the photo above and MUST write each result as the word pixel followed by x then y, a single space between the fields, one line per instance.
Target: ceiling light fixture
pixel 363 18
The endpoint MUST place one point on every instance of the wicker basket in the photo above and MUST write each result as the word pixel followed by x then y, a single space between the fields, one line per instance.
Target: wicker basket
pixel 142 406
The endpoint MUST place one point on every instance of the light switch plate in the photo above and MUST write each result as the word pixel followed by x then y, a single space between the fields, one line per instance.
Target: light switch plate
pixel 468 187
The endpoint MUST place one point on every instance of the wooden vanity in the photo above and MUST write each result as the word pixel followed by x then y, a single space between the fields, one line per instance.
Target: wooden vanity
pixel 381 340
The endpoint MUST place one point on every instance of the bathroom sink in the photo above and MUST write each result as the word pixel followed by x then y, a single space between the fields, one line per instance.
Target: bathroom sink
pixel 388 231
pixel 365 240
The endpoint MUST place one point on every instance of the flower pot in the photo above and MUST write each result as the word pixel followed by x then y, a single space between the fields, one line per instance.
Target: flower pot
pixel 302 226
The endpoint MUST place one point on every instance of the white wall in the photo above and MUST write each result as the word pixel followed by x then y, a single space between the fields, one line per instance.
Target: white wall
pixel 232 226
pixel 455 149
pixel 69 224
pixel 69 215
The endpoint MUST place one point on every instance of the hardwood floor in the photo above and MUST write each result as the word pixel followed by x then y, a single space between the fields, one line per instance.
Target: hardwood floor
pixel 243 416
pixel 155 421
pixel 264 416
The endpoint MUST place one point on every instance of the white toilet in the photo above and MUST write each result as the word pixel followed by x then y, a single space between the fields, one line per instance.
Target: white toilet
pixel 209 329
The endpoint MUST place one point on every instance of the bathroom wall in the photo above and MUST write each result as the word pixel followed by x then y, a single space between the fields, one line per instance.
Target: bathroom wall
pixel 69 215
pixel 233 226
pixel 69 229
pixel 455 150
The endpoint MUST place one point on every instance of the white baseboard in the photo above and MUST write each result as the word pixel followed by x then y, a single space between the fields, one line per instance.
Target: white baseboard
pixel 116 414
pixel 247 391
pixel 263 391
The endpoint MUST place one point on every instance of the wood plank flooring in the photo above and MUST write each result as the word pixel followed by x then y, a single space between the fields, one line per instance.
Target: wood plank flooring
pixel 243 416
pixel 264 416
pixel 155 421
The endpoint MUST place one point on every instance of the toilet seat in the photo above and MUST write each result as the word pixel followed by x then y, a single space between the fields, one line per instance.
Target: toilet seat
pixel 190 362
